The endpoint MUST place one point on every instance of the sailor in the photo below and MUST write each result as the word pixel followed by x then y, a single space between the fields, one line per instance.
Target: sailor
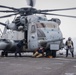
pixel 69 46
pixel 39 52
pixel 19 47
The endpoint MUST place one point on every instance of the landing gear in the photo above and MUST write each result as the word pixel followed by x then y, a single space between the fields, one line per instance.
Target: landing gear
pixel 4 54
pixel 50 53
pixel 54 53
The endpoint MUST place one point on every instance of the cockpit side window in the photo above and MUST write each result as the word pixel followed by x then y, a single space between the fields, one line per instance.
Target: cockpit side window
pixel 40 33
pixel 33 29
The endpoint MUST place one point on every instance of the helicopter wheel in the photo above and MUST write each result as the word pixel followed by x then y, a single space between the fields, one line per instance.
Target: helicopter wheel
pixel 2 54
pixel 54 53
pixel 34 52
pixel 6 54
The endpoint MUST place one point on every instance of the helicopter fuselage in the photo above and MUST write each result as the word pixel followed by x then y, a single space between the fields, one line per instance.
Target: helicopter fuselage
pixel 38 31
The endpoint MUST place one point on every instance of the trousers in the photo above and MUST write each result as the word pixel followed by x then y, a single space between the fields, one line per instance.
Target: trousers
pixel 18 51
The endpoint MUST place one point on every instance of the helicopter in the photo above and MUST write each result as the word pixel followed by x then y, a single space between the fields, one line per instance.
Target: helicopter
pixel 38 30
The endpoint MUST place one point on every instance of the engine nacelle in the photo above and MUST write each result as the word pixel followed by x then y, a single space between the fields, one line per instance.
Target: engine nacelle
pixel 14 26
pixel 58 21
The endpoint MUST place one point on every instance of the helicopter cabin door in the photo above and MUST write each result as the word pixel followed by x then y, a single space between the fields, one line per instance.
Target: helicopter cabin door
pixel 32 37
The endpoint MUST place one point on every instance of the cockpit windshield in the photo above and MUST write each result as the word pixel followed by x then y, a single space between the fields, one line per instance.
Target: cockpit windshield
pixel 51 25
pixel 41 25
pixel 46 25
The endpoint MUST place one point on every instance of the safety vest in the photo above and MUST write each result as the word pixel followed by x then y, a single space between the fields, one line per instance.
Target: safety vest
pixel 69 43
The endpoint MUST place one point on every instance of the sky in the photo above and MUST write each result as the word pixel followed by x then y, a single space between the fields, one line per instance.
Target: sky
pixel 68 25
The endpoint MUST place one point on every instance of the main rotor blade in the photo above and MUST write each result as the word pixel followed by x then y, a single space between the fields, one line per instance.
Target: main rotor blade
pixel 3 24
pixel 7 11
pixel 2 6
pixel 31 2
pixel 58 15
pixel 8 15
pixel 74 8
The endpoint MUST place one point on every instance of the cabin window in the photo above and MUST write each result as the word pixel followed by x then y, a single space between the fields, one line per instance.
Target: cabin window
pixel 33 29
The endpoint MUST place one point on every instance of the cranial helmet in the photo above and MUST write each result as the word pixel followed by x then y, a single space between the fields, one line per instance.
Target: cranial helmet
pixel 69 38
